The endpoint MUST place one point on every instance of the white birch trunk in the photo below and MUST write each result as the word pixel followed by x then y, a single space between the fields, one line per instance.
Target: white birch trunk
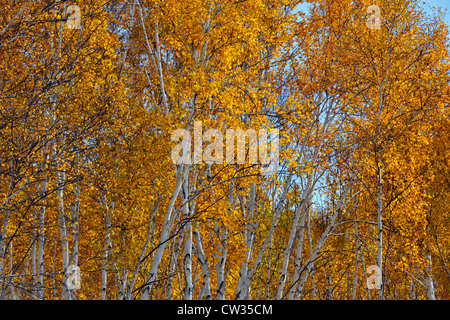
pixel 268 277
pixel 187 254
pixel 200 254
pixel 104 277
pixel 162 239
pixel 380 235
pixel 321 242
pixel 41 242
pixel 287 253
pixel 248 235
pixel 220 267
pixel 121 275
pixel 222 234
pixel 244 283
pixel 301 208
pixel 172 264
pixel 298 256
pixel 11 281
pixel 144 247
pixel 60 179
pixel 33 253
pixel 106 248
pixel 429 280
pixel 75 231
pixel 355 275
pixel 308 230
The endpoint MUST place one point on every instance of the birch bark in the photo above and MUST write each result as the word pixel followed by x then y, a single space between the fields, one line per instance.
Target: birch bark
pixel 244 283
pixel 187 254
pixel 429 280
pixel 144 247
pixel 200 254
pixel 287 253
pixel 321 242
pixel 106 248
pixel 41 241
pixel 163 238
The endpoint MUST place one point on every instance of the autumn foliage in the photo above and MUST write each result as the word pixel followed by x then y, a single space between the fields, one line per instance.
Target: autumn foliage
pixel 87 179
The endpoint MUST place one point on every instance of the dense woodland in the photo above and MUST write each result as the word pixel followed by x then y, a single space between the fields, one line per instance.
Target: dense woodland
pixel 86 175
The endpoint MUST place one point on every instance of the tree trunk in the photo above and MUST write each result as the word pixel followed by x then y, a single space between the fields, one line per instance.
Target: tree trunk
pixel 321 241
pixel 11 279
pixel 243 288
pixel 162 239
pixel 298 256
pixel 60 179
pixel 248 236
pixel 429 280
pixel 308 230
pixel 144 247
pixel 106 248
pixel 220 267
pixel 187 254
pixel 174 253
pixel 355 275
pixel 287 252
pixel 380 235
pixel 75 231
pixel 200 254
pixel 41 243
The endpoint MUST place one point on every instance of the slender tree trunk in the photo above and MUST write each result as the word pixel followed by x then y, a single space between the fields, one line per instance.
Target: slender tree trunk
pixel 308 230
pixel 41 242
pixel 123 283
pixel 174 253
pixel 329 286
pixel 104 281
pixel 11 279
pixel 106 248
pixel 321 241
pixel 60 179
pixel 162 239
pixel 287 252
pixel 120 276
pixel 200 254
pixel 248 235
pixel 242 290
pixel 355 275
pixel 187 254
pixel 222 235
pixel 33 254
pixel 144 247
pixel 411 290
pixel 380 235
pixel 298 256
pixel 429 280
pixel 269 263
pixel 220 267
pixel 75 230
